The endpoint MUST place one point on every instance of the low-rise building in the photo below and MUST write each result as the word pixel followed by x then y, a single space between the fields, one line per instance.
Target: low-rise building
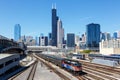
pixel 28 40
pixel 110 47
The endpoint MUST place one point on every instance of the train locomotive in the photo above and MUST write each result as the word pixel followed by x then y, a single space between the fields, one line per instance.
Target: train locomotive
pixel 69 64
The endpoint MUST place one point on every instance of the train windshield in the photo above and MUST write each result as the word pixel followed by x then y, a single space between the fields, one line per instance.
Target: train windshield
pixel 76 63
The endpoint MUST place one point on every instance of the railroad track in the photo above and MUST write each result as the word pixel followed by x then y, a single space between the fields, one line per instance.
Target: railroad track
pixel 107 73
pixel 31 73
pixel 105 67
pixel 93 72
pixel 84 77
pixel 110 71
pixel 63 76
pixel 100 72
pixel 98 75
pixel 94 75
pixel 88 77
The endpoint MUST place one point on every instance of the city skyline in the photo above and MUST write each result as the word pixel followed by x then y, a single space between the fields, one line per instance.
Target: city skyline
pixel 35 16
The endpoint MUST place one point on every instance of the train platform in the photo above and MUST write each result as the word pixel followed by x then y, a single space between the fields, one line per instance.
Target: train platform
pixel 4 56
pixel 7 63
pixel 27 61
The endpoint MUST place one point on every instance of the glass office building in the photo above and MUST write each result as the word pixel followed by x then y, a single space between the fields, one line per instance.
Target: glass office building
pixel 93 35
pixel 115 35
pixel 17 32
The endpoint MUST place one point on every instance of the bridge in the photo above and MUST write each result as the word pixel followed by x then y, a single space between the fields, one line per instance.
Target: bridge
pixel 13 49
pixel 38 49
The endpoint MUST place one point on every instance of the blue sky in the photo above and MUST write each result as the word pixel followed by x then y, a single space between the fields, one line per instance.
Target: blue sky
pixel 34 16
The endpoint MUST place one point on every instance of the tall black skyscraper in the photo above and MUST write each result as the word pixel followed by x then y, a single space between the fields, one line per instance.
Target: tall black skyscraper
pixel 54 26
pixel 46 41
pixel 70 40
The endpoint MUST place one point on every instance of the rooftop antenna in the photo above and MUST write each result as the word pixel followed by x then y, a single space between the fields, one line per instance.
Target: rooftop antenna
pixel 54 6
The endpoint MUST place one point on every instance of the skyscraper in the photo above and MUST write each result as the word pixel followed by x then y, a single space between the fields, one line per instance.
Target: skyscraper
pixel 50 35
pixel 115 35
pixel 103 37
pixel 118 34
pixel 107 36
pixel 17 32
pixel 60 34
pixel 77 40
pixel 54 26
pixel 36 40
pixel 92 35
pixel 46 41
pixel 70 40
pixel 57 29
pixel 50 39
pixel 84 37
pixel 43 41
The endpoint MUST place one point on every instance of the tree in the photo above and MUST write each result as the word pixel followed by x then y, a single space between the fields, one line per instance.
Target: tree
pixel 86 51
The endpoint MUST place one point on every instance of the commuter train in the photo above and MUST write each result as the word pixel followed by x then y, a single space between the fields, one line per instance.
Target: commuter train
pixel 69 64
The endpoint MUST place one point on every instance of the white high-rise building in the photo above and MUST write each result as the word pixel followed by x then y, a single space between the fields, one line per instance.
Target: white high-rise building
pixel 43 41
pixel 84 37
pixel 77 40
pixel 60 34
pixel 118 32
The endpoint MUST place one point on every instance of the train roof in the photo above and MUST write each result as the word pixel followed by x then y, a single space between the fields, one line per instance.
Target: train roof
pixel 5 55
pixel 77 54
pixel 60 58
pixel 53 56
pixel 70 59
